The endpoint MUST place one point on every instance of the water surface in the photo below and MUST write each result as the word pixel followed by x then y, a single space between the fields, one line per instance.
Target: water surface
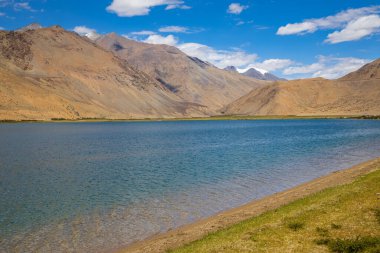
pixel 92 187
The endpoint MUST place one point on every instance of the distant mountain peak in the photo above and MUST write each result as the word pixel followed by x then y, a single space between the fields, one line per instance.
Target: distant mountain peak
pixel 231 68
pixel 262 71
pixel 261 74
pixel 32 26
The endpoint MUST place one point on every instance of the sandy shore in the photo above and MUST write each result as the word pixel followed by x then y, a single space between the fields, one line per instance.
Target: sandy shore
pixel 178 237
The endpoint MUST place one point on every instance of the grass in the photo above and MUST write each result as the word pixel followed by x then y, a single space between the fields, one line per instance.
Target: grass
pixel 340 219
pixel 295 226
pixel 359 244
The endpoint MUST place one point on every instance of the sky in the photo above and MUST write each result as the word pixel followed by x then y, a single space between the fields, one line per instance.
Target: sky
pixel 290 38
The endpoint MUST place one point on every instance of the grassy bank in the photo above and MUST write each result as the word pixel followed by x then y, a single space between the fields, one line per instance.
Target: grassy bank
pixel 339 219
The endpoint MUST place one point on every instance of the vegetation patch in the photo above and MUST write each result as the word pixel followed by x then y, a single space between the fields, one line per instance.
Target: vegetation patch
pixel 359 244
pixel 340 219
pixel 336 226
pixel 295 226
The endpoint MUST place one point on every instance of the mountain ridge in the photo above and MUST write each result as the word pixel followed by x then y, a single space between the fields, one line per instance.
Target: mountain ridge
pixel 52 73
pixel 256 74
pixel 190 78
pixel 357 93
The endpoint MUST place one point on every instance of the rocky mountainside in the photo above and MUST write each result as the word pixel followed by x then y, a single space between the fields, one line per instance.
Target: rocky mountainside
pixel 190 78
pixel 358 93
pixel 371 71
pixel 52 73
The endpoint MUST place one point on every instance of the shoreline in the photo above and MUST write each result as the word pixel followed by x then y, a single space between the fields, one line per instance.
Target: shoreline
pixel 211 118
pixel 185 234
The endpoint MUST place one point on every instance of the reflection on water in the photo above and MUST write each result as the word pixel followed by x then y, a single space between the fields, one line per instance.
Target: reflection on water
pixel 90 187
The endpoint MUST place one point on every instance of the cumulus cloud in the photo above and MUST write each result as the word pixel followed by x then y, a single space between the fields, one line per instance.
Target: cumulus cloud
pixel 236 8
pixel 355 24
pixel 174 29
pixel 159 39
pixel 298 28
pixel 327 67
pixel 85 31
pixel 220 58
pixel 339 20
pixel 356 29
pixel 130 8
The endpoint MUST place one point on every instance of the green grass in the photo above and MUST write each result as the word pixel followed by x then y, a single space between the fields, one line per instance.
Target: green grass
pixel 340 219
pixel 359 244
pixel 295 226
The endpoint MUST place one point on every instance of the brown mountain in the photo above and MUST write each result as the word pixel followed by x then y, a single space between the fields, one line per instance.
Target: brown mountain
pixel 371 71
pixel 358 93
pixel 52 73
pixel 190 78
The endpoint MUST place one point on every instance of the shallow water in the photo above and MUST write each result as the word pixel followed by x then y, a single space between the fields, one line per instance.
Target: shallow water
pixel 93 187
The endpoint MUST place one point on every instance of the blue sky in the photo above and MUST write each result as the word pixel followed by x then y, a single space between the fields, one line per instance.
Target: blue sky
pixel 293 39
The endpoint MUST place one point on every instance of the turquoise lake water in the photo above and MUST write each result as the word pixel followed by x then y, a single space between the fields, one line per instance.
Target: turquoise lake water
pixel 93 187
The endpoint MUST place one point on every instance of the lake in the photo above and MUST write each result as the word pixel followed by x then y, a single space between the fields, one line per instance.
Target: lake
pixel 93 187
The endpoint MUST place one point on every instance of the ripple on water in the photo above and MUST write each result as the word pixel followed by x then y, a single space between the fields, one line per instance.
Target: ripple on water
pixel 94 187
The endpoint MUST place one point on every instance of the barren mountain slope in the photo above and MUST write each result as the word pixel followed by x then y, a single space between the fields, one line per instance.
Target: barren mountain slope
pixel 188 77
pixel 355 94
pixel 370 71
pixel 52 73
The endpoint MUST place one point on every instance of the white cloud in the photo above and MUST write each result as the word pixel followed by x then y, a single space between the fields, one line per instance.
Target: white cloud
pixel 130 8
pixel 174 29
pixel 220 58
pixel 85 31
pixel 1 28
pixel 269 65
pixel 356 29
pixel 304 27
pixel 327 67
pixel 177 6
pixel 159 39
pixel 142 33
pixel 340 20
pixel 241 22
pixel 236 8
pixel 2 14
pixel 23 6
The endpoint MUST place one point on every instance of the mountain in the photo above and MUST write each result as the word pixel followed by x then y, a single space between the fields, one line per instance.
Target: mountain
pixel 190 78
pixel 370 71
pixel 33 26
pixel 357 93
pixel 231 68
pixel 261 75
pixel 256 73
pixel 52 73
